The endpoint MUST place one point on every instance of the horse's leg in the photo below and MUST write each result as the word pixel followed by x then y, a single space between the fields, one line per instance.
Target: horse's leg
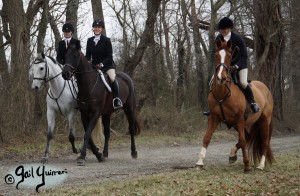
pixel 106 125
pixel 51 124
pixel 89 125
pixel 235 148
pixel 212 125
pixel 264 132
pixel 129 111
pixel 71 119
pixel 233 152
pixel 242 142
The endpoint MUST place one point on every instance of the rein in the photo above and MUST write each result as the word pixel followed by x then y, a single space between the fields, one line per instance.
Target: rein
pixel 46 72
pixel 50 94
pixel 74 71
pixel 227 95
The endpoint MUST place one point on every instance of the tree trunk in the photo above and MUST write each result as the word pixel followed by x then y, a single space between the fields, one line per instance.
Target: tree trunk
pixel 43 27
pixel 71 14
pixel 145 40
pixel 269 47
pixel 293 65
pixel 98 11
pixel 201 84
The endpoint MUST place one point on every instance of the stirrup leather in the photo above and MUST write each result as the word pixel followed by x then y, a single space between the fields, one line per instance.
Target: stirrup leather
pixel 118 101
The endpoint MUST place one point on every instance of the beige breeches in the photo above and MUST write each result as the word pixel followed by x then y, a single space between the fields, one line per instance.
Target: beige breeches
pixel 111 74
pixel 243 75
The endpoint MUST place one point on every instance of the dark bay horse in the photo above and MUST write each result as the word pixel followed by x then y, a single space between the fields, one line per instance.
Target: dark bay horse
pixel 94 100
pixel 228 104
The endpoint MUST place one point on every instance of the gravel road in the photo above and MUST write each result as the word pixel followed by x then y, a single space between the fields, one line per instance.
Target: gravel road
pixel 120 165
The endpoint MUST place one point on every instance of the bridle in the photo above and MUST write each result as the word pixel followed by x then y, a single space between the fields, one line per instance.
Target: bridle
pixel 46 67
pixel 228 94
pixel 74 69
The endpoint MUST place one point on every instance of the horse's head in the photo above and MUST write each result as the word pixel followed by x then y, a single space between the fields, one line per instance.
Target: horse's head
pixel 222 60
pixel 72 60
pixel 38 71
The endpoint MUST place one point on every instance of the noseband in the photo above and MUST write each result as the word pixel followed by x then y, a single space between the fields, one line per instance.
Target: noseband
pixel 227 72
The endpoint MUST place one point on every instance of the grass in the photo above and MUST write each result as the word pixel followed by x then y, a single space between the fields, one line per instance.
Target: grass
pixel 280 179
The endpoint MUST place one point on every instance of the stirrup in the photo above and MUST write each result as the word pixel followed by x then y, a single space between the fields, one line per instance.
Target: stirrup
pixel 254 107
pixel 117 103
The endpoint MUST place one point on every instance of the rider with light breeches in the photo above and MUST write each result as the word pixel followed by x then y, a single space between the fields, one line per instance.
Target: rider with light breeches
pixel 225 27
pixel 99 52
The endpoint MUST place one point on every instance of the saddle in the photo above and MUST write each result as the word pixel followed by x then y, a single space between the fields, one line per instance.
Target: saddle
pixel 104 78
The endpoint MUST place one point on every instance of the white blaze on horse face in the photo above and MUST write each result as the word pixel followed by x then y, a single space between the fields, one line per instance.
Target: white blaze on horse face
pixel 201 156
pixel 222 54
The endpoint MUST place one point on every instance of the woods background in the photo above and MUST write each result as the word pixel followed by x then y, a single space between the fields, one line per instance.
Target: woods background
pixel 167 46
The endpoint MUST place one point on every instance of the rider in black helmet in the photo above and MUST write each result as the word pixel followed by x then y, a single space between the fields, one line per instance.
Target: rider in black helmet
pixel 225 27
pixel 99 52
pixel 63 44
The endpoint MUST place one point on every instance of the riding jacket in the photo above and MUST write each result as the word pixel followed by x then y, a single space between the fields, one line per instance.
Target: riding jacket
pixel 237 41
pixel 99 50
pixel 62 49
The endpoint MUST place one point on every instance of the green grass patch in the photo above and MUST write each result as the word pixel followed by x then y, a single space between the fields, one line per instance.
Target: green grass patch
pixel 282 178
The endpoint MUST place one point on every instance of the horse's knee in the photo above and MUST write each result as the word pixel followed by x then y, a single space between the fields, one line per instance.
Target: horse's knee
pixel 242 143
pixel 49 135
pixel 71 137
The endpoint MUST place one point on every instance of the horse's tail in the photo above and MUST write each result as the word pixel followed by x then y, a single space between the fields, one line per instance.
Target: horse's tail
pixel 256 142
pixel 97 133
pixel 137 126
pixel 132 103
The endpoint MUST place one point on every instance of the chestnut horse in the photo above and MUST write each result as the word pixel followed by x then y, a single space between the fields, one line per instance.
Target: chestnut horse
pixel 228 104
pixel 94 100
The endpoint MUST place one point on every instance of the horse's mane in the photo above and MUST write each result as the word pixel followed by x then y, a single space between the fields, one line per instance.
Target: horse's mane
pixel 52 59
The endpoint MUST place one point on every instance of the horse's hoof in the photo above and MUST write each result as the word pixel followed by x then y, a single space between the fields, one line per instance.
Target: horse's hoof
pixel 99 157
pixel 44 160
pixel 80 161
pixel 247 171
pixel 134 155
pixel 76 151
pixel 105 154
pixel 232 159
pixel 261 168
pixel 199 167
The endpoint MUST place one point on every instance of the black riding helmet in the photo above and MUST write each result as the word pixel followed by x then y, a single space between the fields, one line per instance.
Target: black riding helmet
pixel 98 23
pixel 67 27
pixel 225 23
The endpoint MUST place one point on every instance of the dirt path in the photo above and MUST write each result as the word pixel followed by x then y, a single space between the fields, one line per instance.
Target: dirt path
pixel 151 160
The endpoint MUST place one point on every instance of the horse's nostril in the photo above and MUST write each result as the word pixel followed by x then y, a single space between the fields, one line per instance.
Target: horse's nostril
pixel 36 88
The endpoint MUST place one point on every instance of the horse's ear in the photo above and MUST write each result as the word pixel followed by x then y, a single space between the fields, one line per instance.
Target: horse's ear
pixel 43 55
pixel 218 43
pixel 229 44
pixel 78 46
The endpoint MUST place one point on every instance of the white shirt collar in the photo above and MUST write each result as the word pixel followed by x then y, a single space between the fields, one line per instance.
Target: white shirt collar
pixel 67 39
pixel 227 37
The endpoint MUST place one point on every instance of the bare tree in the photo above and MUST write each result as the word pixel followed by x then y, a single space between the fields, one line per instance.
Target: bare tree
pixel 268 48
pixel 42 28
pixel 135 59
pixel 97 10
pixel 71 14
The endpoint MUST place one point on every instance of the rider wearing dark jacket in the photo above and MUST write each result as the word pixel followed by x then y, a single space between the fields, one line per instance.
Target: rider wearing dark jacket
pixel 63 44
pixel 225 27
pixel 99 53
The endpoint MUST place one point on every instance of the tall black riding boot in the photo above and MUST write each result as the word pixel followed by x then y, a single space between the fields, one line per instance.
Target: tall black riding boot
pixel 249 95
pixel 117 103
